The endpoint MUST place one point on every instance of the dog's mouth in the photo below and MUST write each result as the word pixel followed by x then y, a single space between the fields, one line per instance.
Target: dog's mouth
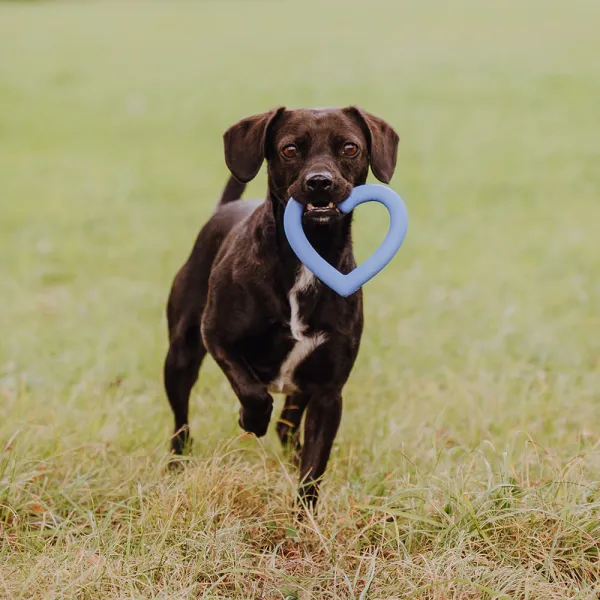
pixel 321 212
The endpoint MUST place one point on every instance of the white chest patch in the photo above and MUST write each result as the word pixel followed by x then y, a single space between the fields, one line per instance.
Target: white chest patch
pixel 305 344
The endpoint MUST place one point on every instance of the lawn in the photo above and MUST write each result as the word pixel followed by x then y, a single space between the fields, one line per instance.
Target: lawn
pixel 468 461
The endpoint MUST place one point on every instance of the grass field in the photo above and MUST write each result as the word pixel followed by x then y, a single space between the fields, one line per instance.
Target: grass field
pixel 468 460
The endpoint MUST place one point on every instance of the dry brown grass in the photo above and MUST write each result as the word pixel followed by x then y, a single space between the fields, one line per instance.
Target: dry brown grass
pixel 92 522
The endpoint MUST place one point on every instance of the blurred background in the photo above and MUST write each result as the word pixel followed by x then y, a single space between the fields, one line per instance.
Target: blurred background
pixel 486 324
pixel 111 159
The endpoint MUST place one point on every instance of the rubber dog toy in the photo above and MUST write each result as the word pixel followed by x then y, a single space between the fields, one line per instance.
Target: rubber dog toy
pixel 347 284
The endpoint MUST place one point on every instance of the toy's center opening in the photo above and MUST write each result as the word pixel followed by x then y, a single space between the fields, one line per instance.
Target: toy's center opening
pixel 370 225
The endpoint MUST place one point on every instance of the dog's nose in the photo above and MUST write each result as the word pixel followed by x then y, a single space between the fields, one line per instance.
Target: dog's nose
pixel 319 182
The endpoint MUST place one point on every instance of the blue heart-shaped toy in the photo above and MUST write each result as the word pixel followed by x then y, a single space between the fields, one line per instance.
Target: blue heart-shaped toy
pixel 345 285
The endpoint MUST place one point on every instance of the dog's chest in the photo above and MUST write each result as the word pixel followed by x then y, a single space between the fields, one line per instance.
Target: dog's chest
pixel 305 343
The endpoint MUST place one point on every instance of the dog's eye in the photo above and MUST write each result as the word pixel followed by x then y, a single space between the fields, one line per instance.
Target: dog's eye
pixel 350 149
pixel 290 151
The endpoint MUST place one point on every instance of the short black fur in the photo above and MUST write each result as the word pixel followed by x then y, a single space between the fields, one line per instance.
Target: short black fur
pixel 231 298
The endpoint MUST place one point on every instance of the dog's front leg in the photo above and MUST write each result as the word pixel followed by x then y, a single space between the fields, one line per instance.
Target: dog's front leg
pixel 257 403
pixel 323 416
pixel 222 336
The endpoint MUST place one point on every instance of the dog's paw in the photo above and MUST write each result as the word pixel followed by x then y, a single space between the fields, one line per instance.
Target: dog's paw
pixel 256 421
pixel 181 442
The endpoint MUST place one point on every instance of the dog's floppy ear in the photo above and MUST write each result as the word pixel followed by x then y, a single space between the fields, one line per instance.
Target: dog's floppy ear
pixel 245 144
pixel 382 140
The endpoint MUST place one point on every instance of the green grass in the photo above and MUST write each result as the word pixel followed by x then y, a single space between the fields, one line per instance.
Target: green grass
pixel 468 461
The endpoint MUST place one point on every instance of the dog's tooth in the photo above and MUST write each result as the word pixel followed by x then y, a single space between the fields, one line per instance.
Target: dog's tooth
pixel 310 206
pixel 331 205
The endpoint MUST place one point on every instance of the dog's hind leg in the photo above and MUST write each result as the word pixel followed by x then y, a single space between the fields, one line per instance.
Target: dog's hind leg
pixel 288 425
pixel 181 368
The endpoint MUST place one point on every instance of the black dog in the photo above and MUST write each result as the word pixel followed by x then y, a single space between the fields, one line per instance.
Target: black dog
pixel 244 297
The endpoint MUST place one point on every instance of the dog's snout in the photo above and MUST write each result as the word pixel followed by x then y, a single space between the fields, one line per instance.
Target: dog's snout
pixel 319 182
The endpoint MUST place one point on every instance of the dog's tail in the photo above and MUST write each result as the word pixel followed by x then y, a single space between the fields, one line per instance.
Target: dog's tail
pixel 233 191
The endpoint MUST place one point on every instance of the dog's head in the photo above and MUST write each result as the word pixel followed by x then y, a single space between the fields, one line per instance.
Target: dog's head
pixel 315 156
